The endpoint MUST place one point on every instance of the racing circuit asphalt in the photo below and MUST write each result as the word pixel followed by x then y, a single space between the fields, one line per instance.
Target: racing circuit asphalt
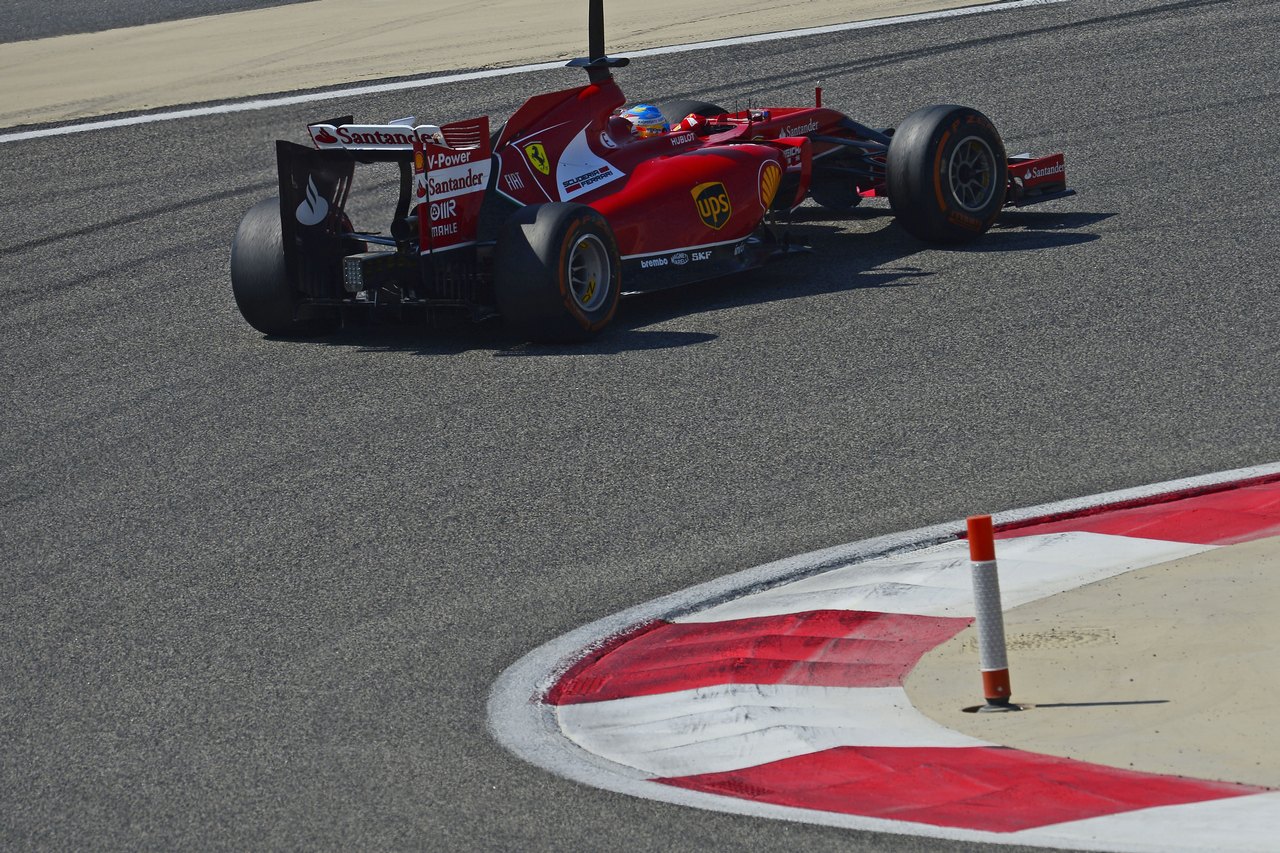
pixel 256 591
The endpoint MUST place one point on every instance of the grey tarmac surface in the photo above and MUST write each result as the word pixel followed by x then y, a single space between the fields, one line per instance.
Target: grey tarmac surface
pixel 257 590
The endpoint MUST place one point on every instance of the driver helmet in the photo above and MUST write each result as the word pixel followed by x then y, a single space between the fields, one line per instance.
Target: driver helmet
pixel 646 120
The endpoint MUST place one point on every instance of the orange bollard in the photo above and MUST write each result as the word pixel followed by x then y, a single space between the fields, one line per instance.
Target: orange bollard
pixel 993 658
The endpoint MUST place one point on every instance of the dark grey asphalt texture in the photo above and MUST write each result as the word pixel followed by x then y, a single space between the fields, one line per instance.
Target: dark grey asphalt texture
pixel 22 19
pixel 255 591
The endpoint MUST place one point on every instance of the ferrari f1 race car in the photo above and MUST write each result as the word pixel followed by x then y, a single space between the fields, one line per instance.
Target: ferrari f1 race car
pixel 574 202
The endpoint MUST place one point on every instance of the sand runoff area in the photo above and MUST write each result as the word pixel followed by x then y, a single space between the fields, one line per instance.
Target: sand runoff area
pixel 333 42
pixel 1168 669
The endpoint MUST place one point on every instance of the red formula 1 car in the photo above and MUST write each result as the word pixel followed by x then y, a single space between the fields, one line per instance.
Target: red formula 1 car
pixel 546 223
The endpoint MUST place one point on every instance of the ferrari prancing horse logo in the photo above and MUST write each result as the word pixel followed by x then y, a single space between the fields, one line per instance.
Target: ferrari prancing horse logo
pixel 538 157
pixel 712 200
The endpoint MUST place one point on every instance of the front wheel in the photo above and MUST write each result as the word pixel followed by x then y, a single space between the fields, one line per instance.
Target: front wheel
pixel 947 174
pixel 557 272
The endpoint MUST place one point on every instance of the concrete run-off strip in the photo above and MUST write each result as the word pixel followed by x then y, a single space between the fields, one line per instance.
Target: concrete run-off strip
pixel 334 42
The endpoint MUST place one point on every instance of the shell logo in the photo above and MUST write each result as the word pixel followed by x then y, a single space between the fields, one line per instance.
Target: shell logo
pixel 770 180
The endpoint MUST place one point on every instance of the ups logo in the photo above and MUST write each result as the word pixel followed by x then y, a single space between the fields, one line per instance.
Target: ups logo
pixel 712 200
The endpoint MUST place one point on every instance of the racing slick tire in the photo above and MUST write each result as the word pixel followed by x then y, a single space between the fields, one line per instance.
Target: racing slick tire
pixel 947 174
pixel 557 273
pixel 260 281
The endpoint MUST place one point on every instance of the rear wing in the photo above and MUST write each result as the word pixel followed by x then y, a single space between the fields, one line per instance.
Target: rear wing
pixel 444 170
pixel 444 173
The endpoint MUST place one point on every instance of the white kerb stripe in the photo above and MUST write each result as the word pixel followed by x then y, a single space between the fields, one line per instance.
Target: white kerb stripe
pixel 936 581
pixel 731 726
pixel 1238 824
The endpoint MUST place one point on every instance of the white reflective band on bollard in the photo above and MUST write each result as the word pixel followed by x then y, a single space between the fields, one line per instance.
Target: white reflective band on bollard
pixel 993 657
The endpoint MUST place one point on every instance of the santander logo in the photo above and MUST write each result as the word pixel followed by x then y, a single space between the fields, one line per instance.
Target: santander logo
pixel 314 207
pixel 1055 169
pixel 324 136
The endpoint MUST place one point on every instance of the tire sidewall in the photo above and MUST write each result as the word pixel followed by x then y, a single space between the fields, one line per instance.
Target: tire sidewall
pixel 963 126
pixel 532 276
pixel 587 222
pixel 920 187
pixel 260 279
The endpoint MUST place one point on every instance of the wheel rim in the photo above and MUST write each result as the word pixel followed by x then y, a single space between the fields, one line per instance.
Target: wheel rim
pixel 972 172
pixel 590 276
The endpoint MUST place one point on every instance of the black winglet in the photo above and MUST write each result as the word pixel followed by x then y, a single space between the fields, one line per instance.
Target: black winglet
pixel 596 62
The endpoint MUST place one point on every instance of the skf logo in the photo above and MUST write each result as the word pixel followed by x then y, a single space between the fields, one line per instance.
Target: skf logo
pixel 770 178
pixel 538 157
pixel 712 200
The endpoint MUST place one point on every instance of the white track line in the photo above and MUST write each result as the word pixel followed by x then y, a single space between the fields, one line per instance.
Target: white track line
pixel 422 83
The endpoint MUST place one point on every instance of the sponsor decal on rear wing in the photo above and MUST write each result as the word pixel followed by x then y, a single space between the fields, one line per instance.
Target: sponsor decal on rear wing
pixel 449 184
pixel 372 137
pixel 399 135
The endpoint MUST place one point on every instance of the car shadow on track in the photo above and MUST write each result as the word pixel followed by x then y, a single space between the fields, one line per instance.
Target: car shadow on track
pixel 861 249
pixel 1023 230
pixel 840 261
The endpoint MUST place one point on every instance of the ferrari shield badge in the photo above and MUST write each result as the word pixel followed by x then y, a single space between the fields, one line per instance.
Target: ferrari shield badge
pixel 538 157
pixel 712 200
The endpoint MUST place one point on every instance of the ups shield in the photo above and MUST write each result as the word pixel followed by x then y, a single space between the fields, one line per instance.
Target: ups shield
pixel 712 200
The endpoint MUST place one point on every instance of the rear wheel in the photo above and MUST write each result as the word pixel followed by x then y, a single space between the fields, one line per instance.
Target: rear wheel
pixel 557 272
pixel 947 174
pixel 260 281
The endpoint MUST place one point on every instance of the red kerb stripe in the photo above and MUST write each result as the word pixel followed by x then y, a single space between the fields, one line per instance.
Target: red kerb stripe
pixel 1217 518
pixel 830 648
pixel 984 788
